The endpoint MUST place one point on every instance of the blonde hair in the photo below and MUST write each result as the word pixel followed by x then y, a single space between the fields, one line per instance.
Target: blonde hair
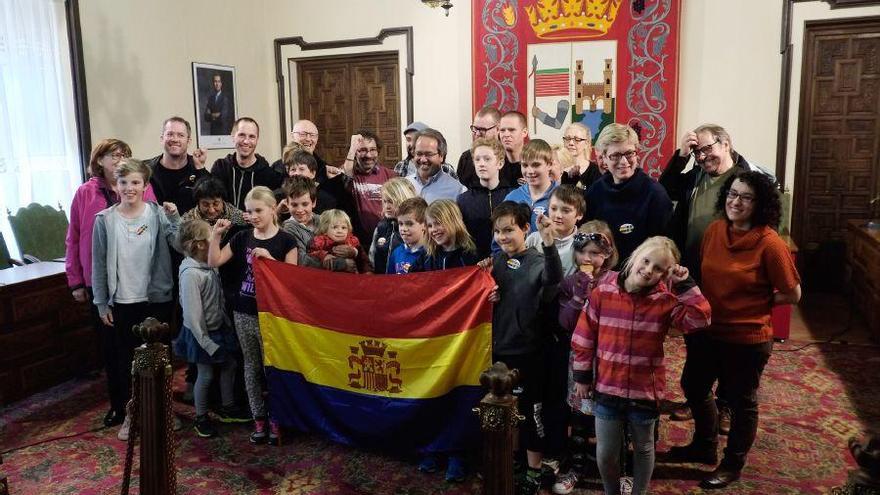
pixel 600 227
pixel 130 165
pixel 651 244
pixel 492 144
pixel 615 133
pixel 265 195
pixel 537 150
pixel 566 160
pixel 397 190
pixel 328 218
pixel 446 213
pixel 191 232
pixel 588 135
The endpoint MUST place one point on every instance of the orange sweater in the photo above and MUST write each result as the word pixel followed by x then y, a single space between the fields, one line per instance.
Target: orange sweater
pixel 741 270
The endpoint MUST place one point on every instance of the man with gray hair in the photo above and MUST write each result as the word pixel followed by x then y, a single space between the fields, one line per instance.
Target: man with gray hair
pixel 430 181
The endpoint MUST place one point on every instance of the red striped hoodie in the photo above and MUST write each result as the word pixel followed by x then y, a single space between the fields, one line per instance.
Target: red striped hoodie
pixel 624 333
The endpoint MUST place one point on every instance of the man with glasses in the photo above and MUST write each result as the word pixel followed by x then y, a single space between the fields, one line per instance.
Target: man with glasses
pixel 485 126
pixel 175 172
pixel 632 203
pixel 305 133
pixel 367 175
pixel 430 181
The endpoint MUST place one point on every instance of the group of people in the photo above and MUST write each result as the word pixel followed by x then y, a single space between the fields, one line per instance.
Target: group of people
pixel 593 267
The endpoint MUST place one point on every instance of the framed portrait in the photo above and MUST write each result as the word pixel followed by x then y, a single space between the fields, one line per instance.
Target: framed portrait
pixel 215 101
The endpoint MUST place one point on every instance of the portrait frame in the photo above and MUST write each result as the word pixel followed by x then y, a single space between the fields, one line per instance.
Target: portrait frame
pixel 215 111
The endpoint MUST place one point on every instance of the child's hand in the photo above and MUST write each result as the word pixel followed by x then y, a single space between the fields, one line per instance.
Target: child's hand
pixel 582 390
pixel 678 274
pixel 485 264
pixel 494 297
pixel 327 262
pixel 545 228
pixel 344 251
pixel 170 208
pixel 350 266
pixel 261 253
pixel 220 227
pixel 281 207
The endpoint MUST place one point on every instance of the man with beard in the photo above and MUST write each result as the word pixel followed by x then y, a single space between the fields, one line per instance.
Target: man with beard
pixel 244 169
pixel 512 132
pixel 430 181
pixel 407 166
pixel 367 176
pixel 174 171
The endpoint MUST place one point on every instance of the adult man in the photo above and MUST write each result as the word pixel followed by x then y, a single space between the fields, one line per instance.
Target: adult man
pixel 244 169
pixel 407 166
pixel 218 111
pixel 305 133
pixel 175 171
pixel 485 126
pixel 512 131
pixel 430 181
pixel 367 176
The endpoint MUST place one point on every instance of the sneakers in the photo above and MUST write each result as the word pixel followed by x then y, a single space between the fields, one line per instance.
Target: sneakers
pixel 455 472
pixel 724 421
pixel 274 433
pixel 260 435
pixel 125 429
pixel 565 483
pixel 626 485
pixel 204 427
pixel 233 414
pixel 428 464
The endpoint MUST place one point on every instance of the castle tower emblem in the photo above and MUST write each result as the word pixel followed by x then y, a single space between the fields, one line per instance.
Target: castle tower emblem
pixel 593 92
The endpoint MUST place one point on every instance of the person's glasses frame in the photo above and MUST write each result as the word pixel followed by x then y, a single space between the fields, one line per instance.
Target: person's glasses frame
pixel 704 150
pixel 615 157
pixel 481 130
pixel 746 199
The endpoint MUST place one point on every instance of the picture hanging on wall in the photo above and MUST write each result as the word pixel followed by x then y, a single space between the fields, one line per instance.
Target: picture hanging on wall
pixel 215 101
pixel 588 61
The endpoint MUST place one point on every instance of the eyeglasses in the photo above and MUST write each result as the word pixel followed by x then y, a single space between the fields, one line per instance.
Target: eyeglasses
pixel 368 150
pixel 746 199
pixel 116 155
pixel 578 140
pixel 705 149
pixel 615 157
pixel 482 130
pixel 425 154
pixel 301 134
pixel 581 239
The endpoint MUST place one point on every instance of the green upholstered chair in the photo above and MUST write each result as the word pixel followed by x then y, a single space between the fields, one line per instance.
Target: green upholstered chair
pixel 39 231
pixel 5 261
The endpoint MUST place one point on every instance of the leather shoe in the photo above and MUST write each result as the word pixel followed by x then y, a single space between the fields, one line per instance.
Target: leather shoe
pixel 692 453
pixel 720 478
pixel 113 418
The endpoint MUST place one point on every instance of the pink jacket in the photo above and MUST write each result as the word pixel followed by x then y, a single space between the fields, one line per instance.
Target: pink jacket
pixel 90 198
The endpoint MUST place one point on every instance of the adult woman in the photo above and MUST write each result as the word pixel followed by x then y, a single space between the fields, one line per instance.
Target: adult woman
pixel 747 269
pixel 633 204
pixel 94 195
pixel 577 140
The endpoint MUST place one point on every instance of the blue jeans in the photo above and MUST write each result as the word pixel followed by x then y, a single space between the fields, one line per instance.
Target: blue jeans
pixel 610 420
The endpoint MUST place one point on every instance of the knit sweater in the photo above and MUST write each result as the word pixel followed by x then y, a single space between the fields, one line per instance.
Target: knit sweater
pixel 624 333
pixel 741 269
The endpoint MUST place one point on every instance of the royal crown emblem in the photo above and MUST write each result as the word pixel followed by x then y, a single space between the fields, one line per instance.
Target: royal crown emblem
pixel 375 367
pixel 572 19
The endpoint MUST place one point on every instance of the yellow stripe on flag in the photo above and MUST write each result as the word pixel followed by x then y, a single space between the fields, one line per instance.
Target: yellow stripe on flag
pixel 388 367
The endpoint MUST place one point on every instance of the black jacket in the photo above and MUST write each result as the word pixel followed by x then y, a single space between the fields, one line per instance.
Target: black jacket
pixel 183 180
pixel 445 260
pixel 476 209
pixel 386 237
pixel 238 181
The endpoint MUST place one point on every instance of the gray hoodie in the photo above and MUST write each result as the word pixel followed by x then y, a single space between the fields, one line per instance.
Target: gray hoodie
pixel 201 297
pixel 104 256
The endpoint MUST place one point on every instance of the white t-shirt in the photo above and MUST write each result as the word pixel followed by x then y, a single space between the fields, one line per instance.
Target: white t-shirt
pixel 134 248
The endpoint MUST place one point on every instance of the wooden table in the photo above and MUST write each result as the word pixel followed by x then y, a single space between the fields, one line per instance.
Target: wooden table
pixel 45 336
pixel 863 254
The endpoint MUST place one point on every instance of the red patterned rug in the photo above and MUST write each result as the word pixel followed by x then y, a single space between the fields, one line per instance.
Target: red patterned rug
pixel 812 401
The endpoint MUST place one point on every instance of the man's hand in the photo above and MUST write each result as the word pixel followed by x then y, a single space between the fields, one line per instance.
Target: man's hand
pixel 688 143
pixel 200 156
pixel 344 251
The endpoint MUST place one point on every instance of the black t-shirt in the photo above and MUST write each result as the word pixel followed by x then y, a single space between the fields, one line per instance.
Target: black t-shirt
pixel 242 244
pixel 176 186
pixel 510 174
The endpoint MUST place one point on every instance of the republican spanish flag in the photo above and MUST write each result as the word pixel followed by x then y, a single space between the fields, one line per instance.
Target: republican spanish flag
pixel 387 361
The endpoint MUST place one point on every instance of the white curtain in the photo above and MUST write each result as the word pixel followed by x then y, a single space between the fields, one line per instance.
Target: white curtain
pixel 39 154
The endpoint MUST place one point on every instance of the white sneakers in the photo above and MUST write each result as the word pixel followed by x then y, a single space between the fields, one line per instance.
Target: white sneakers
pixel 565 483
pixel 125 429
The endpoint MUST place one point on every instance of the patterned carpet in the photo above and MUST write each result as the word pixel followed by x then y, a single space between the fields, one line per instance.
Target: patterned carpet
pixel 811 402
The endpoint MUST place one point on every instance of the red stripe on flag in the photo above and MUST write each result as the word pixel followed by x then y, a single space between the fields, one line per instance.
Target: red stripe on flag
pixel 347 302
pixel 551 84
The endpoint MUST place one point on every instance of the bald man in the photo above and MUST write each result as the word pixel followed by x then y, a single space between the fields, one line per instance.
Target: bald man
pixel 305 133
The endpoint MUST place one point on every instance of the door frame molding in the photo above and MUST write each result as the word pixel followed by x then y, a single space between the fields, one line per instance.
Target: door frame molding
pixel 800 179
pixel 406 31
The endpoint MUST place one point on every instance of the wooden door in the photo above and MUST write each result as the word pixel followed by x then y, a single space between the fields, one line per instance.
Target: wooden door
pixel 343 94
pixel 837 166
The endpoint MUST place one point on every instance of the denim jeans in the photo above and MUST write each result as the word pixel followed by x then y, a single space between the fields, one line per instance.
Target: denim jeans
pixel 610 422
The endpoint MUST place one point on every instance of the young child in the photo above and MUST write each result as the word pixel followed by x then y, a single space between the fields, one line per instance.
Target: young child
pixel 623 329
pixel 131 269
pixel 386 237
pixel 537 160
pixel 527 283
pixel 207 338
pixel 476 203
pixel 266 240
pixel 411 223
pixel 593 255
pixel 566 208
pixel 334 239
pixel 449 245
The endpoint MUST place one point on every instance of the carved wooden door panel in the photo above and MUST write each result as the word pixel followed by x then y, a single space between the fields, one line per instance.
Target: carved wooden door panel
pixel 344 94
pixel 837 168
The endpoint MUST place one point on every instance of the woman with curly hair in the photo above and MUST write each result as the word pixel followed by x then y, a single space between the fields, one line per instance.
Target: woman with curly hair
pixel 747 269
